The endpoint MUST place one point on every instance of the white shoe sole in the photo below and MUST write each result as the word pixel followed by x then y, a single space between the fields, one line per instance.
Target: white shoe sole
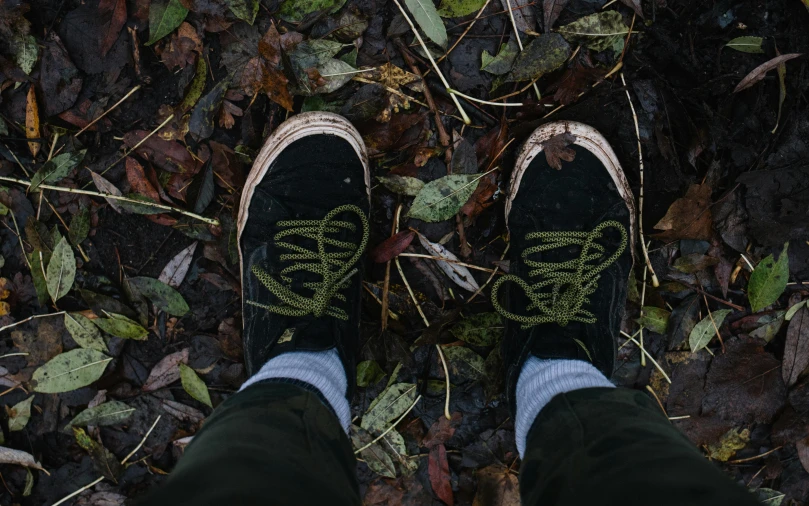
pixel 588 138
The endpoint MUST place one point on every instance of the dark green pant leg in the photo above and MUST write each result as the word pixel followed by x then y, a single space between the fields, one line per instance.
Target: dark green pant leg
pixel 272 444
pixel 613 446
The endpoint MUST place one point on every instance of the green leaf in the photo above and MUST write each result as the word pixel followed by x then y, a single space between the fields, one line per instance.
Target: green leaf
pixel 194 385
pixel 426 16
pixel 746 44
pixel 162 295
pixel 544 54
pixel 390 405
pixel 704 331
pixel 19 415
pixel 40 285
pixel 79 226
pixel 403 185
pixel 196 87
pixel 770 325
pixel 69 371
pixel 245 10
pixel 61 270
pixel 768 281
pixel 503 62
pixel 654 319
pixel 483 329
pixel 375 455
pixel 120 326
pixel 597 31
pixel 768 496
pixel 84 332
pixel 441 199
pixel 108 413
pixel 368 373
pixel 294 11
pixel 311 53
pixel 164 18
pixel 335 73
pixel 464 362
pixel 794 309
pixel 26 53
pixel 56 168
pixel 459 8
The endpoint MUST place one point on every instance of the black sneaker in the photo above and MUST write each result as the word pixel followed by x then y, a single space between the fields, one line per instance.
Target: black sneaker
pixel 302 231
pixel 571 253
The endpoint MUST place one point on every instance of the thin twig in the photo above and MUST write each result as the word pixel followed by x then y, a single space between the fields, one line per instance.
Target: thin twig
pixel 647 354
pixel 133 452
pixel 116 104
pixel 19 237
pixel 519 42
pixel 717 299
pixel 655 282
pixel 435 65
pixel 29 319
pixel 464 32
pixel 446 377
pixel 716 329
pixel 410 291
pixel 443 136
pixel 640 331
pixel 491 276
pixel 390 428
pixel 750 459
pixel 210 221
pixel 18 354
pixel 485 102
pixel 441 259
pixel 651 390
pixel 79 491
pixel 386 284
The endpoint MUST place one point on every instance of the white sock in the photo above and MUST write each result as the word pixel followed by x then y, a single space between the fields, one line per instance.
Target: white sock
pixel 322 369
pixel 541 380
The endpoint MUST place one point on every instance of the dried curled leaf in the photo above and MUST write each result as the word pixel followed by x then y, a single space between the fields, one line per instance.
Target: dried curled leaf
pixel 758 73
pixel 459 274
pixel 556 149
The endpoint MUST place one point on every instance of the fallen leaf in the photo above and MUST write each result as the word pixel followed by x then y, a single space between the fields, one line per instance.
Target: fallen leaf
pixel 732 441
pixel 635 6
pixel 182 412
pixel 403 185
pixel 746 44
pixel 162 295
pixel 168 155
pixel 573 82
pixel 194 386
pixel 597 31
pixel 71 370
pixel 459 274
pixel 103 460
pixel 768 496
pixel 694 262
pixel 112 14
pixel 758 73
pixel 174 272
pixel 497 486
pixel 464 363
pixel 441 199
pixel 84 332
pixel 459 8
pixel 60 81
pixel 523 12
pixel 392 246
pixel 438 470
pixel 56 168
pixel 796 350
pixel 138 180
pixel 556 149
pixel 803 452
pixel 182 48
pixel 120 326
pixel 375 456
pixel 388 406
pixel 19 458
pixel 768 281
pixel 19 414
pixel 654 319
pixel 164 17
pixel 688 217
pixel 369 373
pixel 104 186
pixel 503 62
pixel 782 92
pixel 245 10
pixel 61 270
pixel 333 74
pixel 201 122
pixel 294 11
pixel 482 329
pixel 552 9
pixel 108 413
pixel 32 121
pixel 705 330
pixel 426 16
pixel 166 371
pixel 541 56
pixel 261 77
pixel 794 309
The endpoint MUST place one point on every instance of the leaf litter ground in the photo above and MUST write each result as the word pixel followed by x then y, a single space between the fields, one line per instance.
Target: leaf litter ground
pixel 125 301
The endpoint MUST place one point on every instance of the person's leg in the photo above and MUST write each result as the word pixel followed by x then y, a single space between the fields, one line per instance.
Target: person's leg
pixel 302 232
pixel 583 441
pixel 609 446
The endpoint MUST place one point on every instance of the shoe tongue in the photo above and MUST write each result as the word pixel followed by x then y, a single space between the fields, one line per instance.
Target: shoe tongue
pixel 553 341
pixel 307 334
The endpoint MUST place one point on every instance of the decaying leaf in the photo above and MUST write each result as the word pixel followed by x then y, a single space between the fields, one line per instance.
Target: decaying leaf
pixel 731 442
pixel 403 185
pixel 167 371
pixel 295 11
pixel 56 168
pixel 174 272
pixel 503 62
pixel 113 18
pixel 107 413
pixel 392 246
pixel 19 414
pixel 598 31
pixel 556 149
pixel 388 406
pixel 688 217
pixel 71 370
pixel 162 295
pixel 438 470
pixel 378 460
pixel 18 458
pixel 796 350
pixel 482 329
pixel 245 10
pixel 541 56
pixel 635 6
pixel 459 274
pixel 439 200
pixel 768 280
pixel 427 18
pixel 552 9
pixel 459 8
pixel 368 373
pixel 119 325
pixel 84 332
pixel 164 17
pixel 103 460
pixel 654 319
pixel 464 363
pixel 758 73
pixel 497 485
pixel 32 121
pixel 194 386
pixel 706 329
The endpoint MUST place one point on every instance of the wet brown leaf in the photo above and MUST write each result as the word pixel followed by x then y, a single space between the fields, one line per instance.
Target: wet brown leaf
pixel 59 79
pixel 174 272
pixel 438 469
pixel 497 486
pixel 167 371
pixel 182 48
pixel 634 5
pixel 758 73
pixel 796 351
pixel 261 77
pixel 138 180
pixel 442 430
pixel 552 9
pixel 573 82
pixel 392 246
pixel 688 217
pixel 113 17
pixel 32 121
pixel 556 149
pixel 482 197
pixel 168 155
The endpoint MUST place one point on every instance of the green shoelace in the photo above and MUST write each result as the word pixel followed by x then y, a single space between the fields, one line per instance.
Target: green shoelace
pixel 564 287
pixel 335 267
